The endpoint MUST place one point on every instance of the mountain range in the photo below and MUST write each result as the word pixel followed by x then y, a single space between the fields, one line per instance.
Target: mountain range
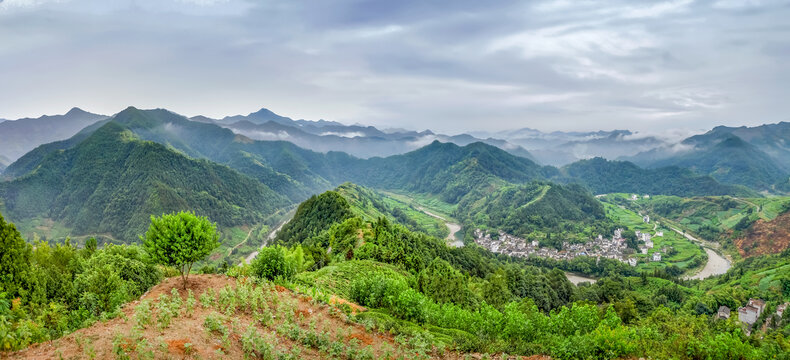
pixel 357 140
pixel 111 175
pixel 757 157
pixel 17 137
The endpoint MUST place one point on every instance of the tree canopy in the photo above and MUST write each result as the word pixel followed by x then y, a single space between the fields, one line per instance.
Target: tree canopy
pixel 180 239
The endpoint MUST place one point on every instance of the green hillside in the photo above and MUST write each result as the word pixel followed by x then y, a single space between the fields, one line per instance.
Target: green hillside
pixel 602 176
pixel 371 205
pixel 715 218
pixel 731 160
pixel 112 182
pixel 538 207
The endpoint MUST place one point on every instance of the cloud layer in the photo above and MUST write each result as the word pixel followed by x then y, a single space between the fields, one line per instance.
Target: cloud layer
pixel 449 66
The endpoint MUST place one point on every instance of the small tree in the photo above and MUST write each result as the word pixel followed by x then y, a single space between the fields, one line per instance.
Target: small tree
pixel 180 240
pixel 14 260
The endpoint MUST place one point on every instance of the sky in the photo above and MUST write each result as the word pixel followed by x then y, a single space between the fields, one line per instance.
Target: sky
pixel 449 66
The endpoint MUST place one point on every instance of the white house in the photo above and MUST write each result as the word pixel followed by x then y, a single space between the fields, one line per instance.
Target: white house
pixel 748 314
pixel 656 256
pixel 632 261
pixel 646 218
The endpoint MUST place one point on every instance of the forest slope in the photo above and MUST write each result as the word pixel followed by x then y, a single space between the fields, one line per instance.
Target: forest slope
pixel 112 182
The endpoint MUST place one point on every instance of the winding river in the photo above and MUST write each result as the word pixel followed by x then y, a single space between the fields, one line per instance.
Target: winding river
pixel 716 264
pixel 452 240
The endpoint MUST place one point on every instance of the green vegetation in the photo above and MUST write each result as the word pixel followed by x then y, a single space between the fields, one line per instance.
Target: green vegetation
pixel 730 160
pixel 534 210
pixel 602 176
pixel 179 240
pixel 370 205
pixel 338 277
pixel 382 251
pixel 470 300
pixel 48 291
pixel 714 218
pixel 678 254
pixel 112 182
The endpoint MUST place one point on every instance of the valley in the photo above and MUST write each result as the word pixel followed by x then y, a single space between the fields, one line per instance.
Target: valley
pixel 452 238
pixel 395 180
pixel 444 251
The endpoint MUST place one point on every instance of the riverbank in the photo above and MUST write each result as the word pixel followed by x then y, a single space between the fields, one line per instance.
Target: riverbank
pixel 452 239
pixel 716 264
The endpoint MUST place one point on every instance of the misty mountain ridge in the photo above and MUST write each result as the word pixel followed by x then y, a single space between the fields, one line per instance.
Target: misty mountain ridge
pixel 358 140
pixel 758 157
pixel 17 137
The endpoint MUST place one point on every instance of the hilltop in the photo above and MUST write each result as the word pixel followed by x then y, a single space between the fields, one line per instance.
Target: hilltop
pixel 220 317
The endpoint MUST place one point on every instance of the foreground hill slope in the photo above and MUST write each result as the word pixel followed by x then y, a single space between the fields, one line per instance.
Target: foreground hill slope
pixel 227 319
pixel 112 182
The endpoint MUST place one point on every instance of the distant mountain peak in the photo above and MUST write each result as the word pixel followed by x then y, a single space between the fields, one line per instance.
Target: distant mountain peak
pixel 76 111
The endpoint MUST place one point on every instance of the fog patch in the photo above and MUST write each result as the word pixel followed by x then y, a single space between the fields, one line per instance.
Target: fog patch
pixel 351 134
pixel 421 141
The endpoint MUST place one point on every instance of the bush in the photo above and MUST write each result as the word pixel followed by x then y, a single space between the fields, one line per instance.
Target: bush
pixel 377 291
pixel 270 264
pixel 278 262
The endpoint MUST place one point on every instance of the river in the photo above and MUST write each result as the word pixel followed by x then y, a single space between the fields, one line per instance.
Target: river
pixel 268 238
pixel 452 240
pixel 716 264
pixel 576 279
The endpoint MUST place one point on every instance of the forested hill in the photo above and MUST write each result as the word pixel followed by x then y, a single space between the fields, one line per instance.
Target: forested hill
pixel 112 182
pixel 757 157
pixel 603 176
pixel 731 160
pixel 315 215
pixel 537 207
pixel 449 170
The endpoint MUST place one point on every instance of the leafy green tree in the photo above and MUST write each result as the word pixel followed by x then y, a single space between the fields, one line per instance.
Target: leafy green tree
pixel 180 239
pixel 14 260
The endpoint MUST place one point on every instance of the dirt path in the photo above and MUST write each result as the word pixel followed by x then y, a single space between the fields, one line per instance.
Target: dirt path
pixel 454 228
pixel 242 242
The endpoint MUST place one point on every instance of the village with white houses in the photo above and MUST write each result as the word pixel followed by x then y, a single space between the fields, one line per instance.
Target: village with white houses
pixel 600 247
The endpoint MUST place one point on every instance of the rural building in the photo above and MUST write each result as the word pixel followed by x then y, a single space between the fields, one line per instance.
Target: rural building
pixel 748 314
pixel 723 313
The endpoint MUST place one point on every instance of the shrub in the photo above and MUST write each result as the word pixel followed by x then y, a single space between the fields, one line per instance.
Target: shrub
pixel 377 291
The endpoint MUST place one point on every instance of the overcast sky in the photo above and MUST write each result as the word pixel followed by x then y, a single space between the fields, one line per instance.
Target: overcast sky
pixel 450 66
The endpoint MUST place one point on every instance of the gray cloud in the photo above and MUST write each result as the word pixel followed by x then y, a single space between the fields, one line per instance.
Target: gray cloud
pixel 449 66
